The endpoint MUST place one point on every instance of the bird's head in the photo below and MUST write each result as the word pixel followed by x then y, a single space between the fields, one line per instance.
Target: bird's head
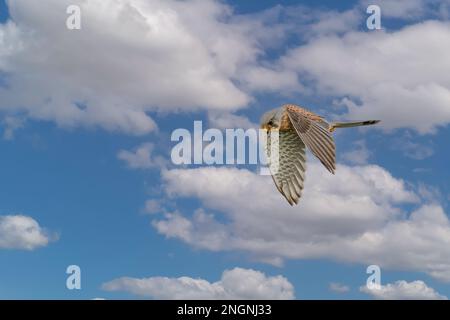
pixel 271 120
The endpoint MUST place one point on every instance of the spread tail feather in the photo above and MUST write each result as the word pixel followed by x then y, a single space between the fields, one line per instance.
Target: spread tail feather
pixel 352 124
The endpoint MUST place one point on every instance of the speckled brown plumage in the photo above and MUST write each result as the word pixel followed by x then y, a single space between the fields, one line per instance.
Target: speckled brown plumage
pixel 298 129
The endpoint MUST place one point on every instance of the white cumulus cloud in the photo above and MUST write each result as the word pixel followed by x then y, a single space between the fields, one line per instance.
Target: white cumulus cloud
pixel 141 157
pixel 151 56
pixel 359 155
pixel 355 216
pixel 237 283
pixel 131 57
pixel 403 290
pixel 399 77
pixel 21 232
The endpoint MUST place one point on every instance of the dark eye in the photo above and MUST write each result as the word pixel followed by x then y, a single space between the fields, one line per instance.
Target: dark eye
pixel 270 123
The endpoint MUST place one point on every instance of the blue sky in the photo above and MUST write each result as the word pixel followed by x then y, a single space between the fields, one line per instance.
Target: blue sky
pixel 60 165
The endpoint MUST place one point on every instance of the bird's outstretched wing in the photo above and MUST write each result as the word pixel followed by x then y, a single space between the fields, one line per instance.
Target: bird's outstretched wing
pixel 289 175
pixel 311 130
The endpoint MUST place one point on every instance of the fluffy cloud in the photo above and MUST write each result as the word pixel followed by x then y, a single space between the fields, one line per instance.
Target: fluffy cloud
pixel 355 216
pixel 140 157
pixel 359 155
pixel 403 290
pixel 150 56
pixel 21 232
pixel 229 121
pixel 234 284
pixel 399 77
pixel 129 58
pixel 333 22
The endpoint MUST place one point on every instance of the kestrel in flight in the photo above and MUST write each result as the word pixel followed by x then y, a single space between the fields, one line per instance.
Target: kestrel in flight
pixel 299 128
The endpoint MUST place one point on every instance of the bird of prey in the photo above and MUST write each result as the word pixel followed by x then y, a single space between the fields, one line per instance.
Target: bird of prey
pixel 299 129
